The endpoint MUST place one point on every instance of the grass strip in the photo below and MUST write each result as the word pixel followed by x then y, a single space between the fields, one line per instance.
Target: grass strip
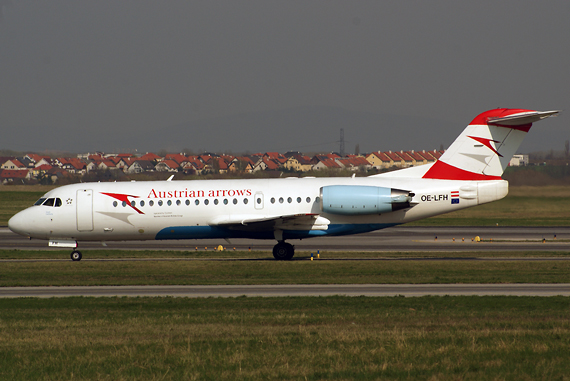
pixel 338 338
pixel 181 272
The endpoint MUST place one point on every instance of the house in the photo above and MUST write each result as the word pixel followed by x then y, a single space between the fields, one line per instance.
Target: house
pixel 193 167
pixel 298 162
pixel 326 164
pixel 519 160
pixel 139 166
pixel 395 159
pixel 354 163
pixel 38 159
pixel 74 165
pixel 151 157
pixel 435 154
pixel 106 164
pixel 265 164
pixel 379 160
pixel 177 157
pixel 14 164
pixel 241 164
pixel 407 158
pixel 167 166
pixel 417 158
pixel 11 176
pixel 428 159
pixel 40 170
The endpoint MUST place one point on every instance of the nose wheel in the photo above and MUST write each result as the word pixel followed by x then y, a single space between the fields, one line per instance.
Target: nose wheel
pixel 76 255
pixel 283 251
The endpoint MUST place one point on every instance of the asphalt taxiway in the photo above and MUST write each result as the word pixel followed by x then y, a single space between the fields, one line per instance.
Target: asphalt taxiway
pixel 395 239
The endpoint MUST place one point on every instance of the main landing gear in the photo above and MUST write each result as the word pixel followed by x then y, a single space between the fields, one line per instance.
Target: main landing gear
pixel 76 255
pixel 283 251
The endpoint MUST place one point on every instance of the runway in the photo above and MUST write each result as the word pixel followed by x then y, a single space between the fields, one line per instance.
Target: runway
pixel 396 239
pixel 316 290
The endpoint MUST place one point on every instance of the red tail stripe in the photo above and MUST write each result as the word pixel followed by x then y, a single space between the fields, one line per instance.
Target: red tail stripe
pixel 442 171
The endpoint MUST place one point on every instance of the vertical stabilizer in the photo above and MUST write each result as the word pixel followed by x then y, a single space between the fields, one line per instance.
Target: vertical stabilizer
pixel 485 147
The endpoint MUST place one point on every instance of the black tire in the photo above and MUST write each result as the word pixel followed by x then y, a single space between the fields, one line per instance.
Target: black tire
pixel 76 255
pixel 283 251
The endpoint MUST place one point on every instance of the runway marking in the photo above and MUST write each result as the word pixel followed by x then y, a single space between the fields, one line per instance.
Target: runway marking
pixel 371 290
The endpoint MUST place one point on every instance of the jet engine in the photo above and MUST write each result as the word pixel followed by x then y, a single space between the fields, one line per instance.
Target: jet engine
pixel 362 199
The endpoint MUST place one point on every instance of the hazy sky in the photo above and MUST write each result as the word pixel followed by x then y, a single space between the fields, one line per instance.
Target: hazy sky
pixel 83 75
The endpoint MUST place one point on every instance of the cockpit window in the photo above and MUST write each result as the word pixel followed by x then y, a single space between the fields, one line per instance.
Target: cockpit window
pixel 49 202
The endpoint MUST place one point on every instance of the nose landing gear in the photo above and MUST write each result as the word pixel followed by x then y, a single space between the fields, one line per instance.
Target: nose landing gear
pixel 76 255
pixel 283 251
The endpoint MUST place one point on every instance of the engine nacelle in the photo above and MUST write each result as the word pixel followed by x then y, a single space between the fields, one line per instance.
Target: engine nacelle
pixel 362 199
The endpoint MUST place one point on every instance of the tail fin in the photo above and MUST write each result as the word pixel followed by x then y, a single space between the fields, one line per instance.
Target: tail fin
pixel 485 147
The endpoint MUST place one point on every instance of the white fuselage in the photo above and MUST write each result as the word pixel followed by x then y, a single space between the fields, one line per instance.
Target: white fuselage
pixel 287 208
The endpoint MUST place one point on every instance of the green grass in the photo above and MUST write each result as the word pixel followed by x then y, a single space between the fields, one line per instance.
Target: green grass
pixel 510 211
pixel 11 202
pixel 185 272
pixel 338 338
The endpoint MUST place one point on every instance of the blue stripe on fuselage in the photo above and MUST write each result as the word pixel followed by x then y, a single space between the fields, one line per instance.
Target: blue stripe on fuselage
pixel 203 232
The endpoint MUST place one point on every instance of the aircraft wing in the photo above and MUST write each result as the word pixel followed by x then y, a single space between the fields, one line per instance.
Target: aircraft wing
pixel 263 223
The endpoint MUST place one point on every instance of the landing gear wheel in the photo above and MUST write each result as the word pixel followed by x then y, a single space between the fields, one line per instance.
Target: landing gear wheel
pixel 76 255
pixel 283 251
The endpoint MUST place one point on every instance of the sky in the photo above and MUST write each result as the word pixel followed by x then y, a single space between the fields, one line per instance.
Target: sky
pixel 256 76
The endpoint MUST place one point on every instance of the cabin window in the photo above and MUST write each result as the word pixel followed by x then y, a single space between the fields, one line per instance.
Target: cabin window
pixel 40 201
pixel 245 200
pixel 169 202
pixel 225 201
pixel 124 203
pixel 317 199
pixel 289 200
pixel 159 202
pixel 188 202
pixel 272 200
pixel 216 201
pixel 197 202
pixel 115 204
pixel 235 201
pixel 150 203
pixel 281 200
pixel 206 202
pixel 308 200
pixel 142 203
pixel 133 203
pixel 178 202
pixel 298 200
pixel 259 200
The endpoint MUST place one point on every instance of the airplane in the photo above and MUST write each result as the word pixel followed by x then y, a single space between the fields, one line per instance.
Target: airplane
pixel 466 175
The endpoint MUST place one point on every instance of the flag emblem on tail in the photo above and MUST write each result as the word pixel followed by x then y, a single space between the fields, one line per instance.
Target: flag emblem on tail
pixel 455 197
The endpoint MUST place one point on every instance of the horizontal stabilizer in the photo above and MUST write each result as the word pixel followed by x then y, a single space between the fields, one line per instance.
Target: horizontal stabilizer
pixel 522 118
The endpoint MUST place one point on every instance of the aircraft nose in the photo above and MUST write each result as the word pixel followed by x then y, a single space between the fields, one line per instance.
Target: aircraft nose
pixel 18 224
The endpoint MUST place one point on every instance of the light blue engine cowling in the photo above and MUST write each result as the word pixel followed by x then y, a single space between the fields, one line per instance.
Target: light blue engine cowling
pixel 362 199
